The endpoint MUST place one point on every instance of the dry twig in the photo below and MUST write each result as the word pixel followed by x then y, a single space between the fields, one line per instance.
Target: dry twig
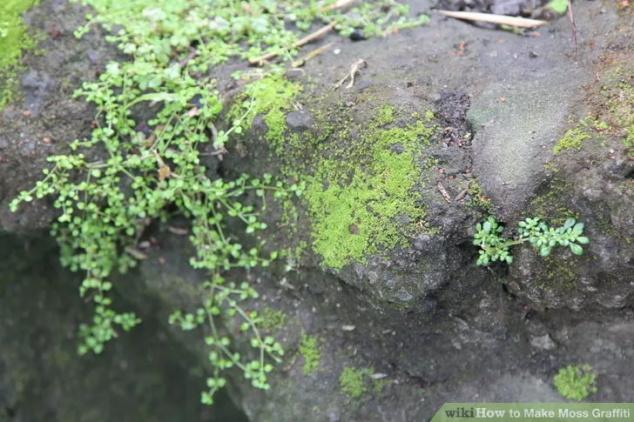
pixel 497 19
pixel 443 192
pixel 339 4
pixel 462 194
pixel 571 17
pixel 311 55
pixel 308 38
pixel 354 69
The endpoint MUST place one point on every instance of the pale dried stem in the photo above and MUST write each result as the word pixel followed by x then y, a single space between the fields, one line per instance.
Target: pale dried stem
pixel 497 19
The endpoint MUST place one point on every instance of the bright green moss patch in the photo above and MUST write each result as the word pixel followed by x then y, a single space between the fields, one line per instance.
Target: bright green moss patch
pixel 385 115
pixel 576 382
pixel 13 31
pixel 558 6
pixel 354 381
pixel 309 349
pixel 270 97
pixel 572 139
pixel 14 40
pixel 354 207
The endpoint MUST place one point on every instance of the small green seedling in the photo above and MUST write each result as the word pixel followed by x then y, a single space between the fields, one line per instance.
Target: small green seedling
pixel 576 382
pixel 494 247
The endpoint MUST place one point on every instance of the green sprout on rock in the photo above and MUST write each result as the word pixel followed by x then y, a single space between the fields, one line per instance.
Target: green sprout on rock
pixel 576 382
pixel 495 248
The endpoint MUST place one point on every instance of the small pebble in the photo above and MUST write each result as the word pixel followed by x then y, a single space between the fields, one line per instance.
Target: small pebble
pixel 357 35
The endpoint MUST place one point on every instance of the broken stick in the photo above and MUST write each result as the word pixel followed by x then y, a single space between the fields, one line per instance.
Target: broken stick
pixel 311 55
pixel 308 38
pixel 354 69
pixel 443 192
pixel 497 19
pixel 339 4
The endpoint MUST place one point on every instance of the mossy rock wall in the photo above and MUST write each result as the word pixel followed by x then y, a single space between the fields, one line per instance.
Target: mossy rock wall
pixel 379 261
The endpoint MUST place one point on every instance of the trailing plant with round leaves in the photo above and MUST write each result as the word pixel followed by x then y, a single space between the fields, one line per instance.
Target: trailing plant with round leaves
pixel 223 300
pixel 496 248
pixel 138 167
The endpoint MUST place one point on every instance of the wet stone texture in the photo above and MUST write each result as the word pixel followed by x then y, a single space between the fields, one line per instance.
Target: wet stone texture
pixel 422 317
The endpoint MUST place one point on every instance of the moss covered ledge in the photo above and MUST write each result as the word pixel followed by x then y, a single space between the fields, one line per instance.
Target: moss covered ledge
pixel 355 207
pixel 14 39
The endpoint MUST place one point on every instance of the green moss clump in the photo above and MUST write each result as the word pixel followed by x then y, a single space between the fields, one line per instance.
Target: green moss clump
pixel 572 139
pixel 270 97
pixel 576 382
pixel 309 349
pixel 14 39
pixel 354 381
pixel 477 198
pixel 385 115
pixel 354 205
pixel 271 319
